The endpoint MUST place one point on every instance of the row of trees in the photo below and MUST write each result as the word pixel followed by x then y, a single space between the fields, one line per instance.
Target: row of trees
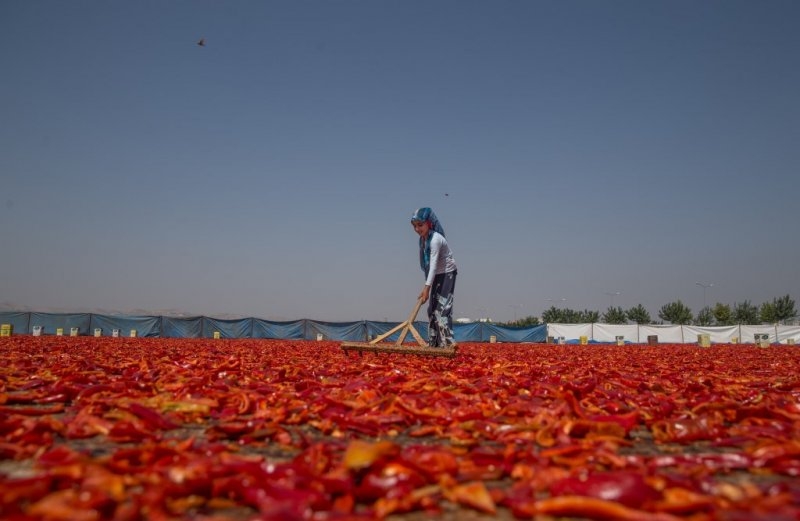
pixel 780 310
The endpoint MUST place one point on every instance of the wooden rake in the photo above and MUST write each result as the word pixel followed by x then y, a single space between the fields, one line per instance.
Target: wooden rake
pixel 374 345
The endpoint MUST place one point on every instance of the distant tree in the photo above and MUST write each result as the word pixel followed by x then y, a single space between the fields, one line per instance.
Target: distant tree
pixel 638 315
pixel 784 308
pixel 615 316
pixel 523 322
pixel 745 313
pixel 723 314
pixel 570 316
pixel 705 317
pixel 552 315
pixel 676 313
pixel 767 313
pixel 779 310
pixel 555 315
pixel 589 317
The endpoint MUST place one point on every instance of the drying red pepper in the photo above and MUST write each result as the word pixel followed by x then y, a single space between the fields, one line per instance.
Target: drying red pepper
pixel 133 428
pixel 628 488
pixel 151 418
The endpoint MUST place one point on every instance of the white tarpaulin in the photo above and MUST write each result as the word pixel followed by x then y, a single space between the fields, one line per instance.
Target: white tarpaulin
pixel 717 334
pixel 674 334
pixel 610 332
pixel 787 333
pixel 569 331
pixel 665 334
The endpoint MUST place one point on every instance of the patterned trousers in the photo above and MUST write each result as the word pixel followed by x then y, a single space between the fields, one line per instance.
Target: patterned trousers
pixel 440 310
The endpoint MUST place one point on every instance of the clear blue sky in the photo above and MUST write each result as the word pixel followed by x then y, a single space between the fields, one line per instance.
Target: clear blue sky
pixel 588 148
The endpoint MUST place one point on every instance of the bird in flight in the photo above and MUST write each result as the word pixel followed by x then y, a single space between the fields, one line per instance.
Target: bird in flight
pixel 202 42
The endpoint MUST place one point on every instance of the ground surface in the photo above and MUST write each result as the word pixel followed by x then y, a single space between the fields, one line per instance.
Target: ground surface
pixel 126 429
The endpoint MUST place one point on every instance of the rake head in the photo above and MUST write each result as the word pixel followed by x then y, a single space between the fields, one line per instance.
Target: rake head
pixel 362 347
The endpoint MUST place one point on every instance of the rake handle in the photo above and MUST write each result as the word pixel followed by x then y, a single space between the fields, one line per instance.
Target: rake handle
pixel 409 324
pixel 404 326
pixel 413 316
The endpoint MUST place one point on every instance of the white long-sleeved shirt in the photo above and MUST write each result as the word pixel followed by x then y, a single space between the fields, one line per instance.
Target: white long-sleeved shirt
pixel 441 258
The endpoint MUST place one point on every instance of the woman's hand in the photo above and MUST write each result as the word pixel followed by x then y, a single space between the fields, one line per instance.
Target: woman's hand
pixel 426 291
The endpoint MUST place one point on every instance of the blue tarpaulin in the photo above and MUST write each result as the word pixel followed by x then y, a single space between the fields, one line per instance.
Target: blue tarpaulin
pixel 288 330
pixel 18 320
pixel 242 328
pixel 205 327
pixel 144 326
pixel 52 322
pixel 514 334
pixel 189 327
pixel 465 332
pixel 347 331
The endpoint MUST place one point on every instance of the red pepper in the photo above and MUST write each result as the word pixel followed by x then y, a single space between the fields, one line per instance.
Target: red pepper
pixel 32 411
pixel 151 418
pixel 686 430
pixel 15 493
pixel 127 431
pixel 391 480
pixel 579 506
pixel 625 487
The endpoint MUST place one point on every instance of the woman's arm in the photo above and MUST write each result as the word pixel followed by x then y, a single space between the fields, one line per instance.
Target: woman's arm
pixel 436 249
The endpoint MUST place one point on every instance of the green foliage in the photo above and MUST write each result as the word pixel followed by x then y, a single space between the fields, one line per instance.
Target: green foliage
pixel 723 314
pixel 589 317
pixel 523 322
pixel 615 316
pixel 779 310
pixel 638 315
pixel 570 316
pixel 551 315
pixel 784 308
pixel 676 313
pixel 705 317
pixel 767 313
pixel 555 315
pixel 745 313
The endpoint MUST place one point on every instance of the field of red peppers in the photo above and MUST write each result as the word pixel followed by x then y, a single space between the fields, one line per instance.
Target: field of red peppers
pixel 162 429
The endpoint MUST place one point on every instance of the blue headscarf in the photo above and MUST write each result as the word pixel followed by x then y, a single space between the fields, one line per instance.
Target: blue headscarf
pixel 426 214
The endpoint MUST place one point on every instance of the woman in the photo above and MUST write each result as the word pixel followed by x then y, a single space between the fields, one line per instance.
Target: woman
pixel 436 261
